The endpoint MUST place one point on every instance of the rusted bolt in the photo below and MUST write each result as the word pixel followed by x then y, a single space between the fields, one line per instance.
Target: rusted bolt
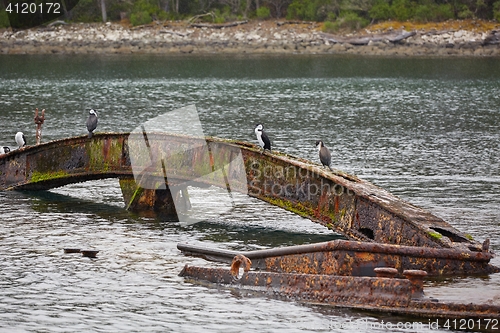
pixel 385 272
pixel 235 265
pixel 416 278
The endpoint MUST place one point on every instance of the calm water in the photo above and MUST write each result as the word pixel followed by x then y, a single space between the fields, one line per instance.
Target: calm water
pixel 428 130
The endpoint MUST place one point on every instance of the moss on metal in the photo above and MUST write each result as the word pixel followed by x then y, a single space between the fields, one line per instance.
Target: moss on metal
pixel 435 235
pixel 138 191
pixel 296 208
pixel 37 176
pixel 104 154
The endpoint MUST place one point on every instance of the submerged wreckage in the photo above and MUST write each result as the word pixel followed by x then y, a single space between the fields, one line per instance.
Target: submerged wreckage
pixel 391 245
pixel 340 273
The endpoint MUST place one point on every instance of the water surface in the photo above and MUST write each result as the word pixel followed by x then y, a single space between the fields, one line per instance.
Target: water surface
pixel 425 129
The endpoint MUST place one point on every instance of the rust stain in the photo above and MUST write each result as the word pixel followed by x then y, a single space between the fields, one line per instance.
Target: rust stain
pixel 105 149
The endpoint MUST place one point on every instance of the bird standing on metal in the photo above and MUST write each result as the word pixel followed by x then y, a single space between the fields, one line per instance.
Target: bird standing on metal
pixel 262 137
pixel 20 139
pixel 324 154
pixel 4 150
pixel 92 122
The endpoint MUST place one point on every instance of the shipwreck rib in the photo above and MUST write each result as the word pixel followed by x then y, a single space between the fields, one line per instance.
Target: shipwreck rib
pixel 341 202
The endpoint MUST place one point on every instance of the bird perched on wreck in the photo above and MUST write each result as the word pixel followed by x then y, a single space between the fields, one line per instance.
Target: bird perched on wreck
pixel 324 154
pixel 4 150
pixel 262 137
pixel 20 139
pixel 92 122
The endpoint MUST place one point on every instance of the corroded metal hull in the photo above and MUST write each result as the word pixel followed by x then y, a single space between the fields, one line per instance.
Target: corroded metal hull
pixel 404 296
pixel 344 203
pixel 351 258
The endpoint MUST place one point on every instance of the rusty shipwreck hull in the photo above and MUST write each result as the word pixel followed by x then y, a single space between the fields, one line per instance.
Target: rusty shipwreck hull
pixel 344 203
pixel 351 258
pixel 404 296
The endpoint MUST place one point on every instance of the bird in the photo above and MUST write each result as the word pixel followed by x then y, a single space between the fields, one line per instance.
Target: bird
pixel 92 121
pixel 4 150
pixel 20 139
pixel 324 154
pixel 262 137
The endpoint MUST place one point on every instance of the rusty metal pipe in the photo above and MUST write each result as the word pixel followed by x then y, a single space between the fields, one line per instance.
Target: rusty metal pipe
pixel 341 257
pixel 339 245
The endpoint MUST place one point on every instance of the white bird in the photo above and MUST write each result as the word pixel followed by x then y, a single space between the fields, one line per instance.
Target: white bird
pixel 262 137
pixel 324 154
pixel 92 121
pixel 4 150
pixel 20 139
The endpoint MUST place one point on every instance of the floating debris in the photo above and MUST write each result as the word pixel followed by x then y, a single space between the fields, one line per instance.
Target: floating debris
pixel 71 250
pixel 89 253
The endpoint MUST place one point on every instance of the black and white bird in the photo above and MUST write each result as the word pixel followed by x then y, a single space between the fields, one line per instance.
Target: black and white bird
pixel 92 121
pixel 20 139
pixel 262 137
pixel 324 154
pixel 4 150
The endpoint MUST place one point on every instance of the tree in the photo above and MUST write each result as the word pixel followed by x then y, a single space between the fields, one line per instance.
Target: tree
pixel 278 6
pixel 103 11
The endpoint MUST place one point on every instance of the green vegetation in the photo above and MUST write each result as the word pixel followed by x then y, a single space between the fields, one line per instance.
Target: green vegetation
pixel 337 14
pixel 296 208
pixel 41 176
pixel 496 11
pixel 420 11
pixel 263 13
pixel 4 19
pixel 435 235
pixel 346 21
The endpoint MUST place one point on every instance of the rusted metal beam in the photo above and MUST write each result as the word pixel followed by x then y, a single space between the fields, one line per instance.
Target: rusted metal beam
pixel 341 257
pixel 394 295
pixel 313 287
pixel 342 202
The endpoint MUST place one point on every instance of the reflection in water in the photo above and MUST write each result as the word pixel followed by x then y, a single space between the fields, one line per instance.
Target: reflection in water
pixel 425 129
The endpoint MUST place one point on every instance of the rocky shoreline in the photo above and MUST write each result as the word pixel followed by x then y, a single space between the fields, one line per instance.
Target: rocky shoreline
pixel 245 38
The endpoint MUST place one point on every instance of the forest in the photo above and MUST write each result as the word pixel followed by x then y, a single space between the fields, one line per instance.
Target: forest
pixel 336 14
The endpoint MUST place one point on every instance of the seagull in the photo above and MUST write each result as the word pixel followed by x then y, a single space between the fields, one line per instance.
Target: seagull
pixel 324 154
pixel 20 139
pixel 4 150
pixel 92 121
pixel 262 137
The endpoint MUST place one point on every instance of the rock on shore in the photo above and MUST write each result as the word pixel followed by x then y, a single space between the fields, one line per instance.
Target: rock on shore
pixel 247 37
